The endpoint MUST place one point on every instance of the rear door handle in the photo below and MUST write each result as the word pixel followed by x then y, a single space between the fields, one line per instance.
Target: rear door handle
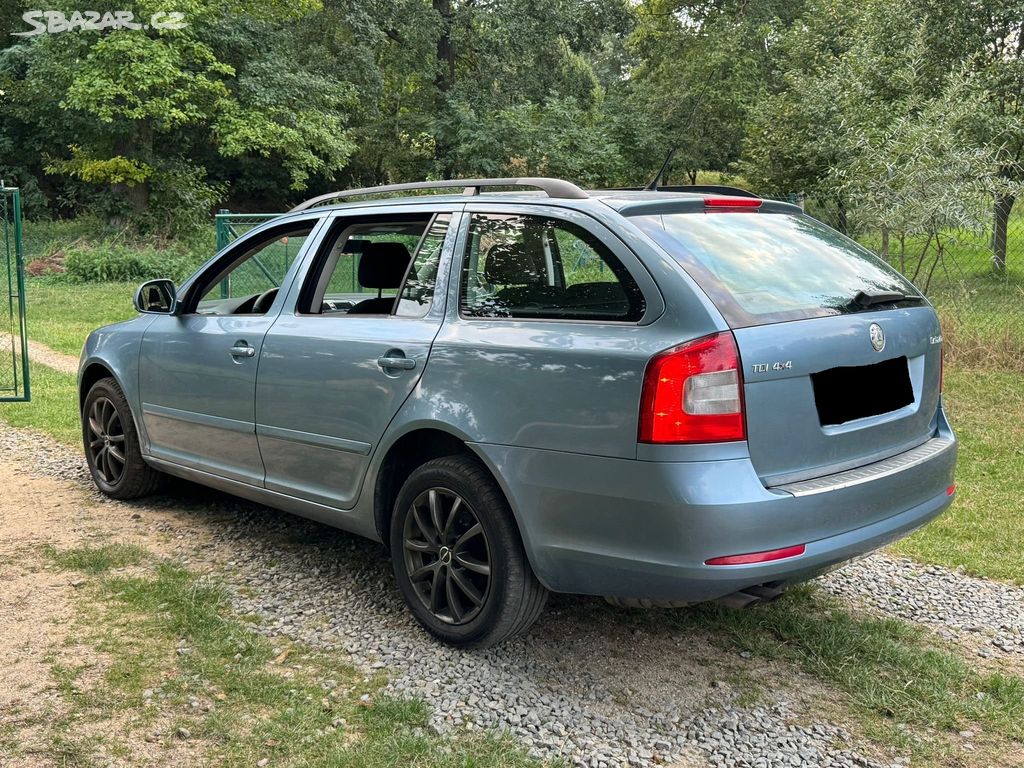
pixel 241 349
pixel 400 363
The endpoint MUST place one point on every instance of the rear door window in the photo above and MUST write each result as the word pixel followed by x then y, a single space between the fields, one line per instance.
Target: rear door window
pixel 761 268
pixel 519 266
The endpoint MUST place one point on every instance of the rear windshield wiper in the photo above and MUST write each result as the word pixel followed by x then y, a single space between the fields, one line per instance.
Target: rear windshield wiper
pixel 863 299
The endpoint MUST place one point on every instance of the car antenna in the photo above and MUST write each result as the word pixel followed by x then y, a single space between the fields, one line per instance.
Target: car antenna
pixel 653 186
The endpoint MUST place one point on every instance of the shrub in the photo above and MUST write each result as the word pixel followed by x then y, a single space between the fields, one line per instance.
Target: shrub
pixel 108 262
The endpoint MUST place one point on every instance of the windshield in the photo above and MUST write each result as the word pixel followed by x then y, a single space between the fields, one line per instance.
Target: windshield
pixel 762 268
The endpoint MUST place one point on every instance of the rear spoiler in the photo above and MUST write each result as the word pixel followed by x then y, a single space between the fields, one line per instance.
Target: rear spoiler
pixel 710 189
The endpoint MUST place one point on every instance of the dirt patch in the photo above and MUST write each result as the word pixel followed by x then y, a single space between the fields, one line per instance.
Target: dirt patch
pixel 43 355
pixel 36 610
pixel 46 665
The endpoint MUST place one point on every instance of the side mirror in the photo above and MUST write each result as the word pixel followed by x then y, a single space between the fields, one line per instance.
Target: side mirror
pixel 157 297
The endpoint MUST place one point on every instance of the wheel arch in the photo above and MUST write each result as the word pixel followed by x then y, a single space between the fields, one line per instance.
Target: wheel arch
pixel 91 373
pixel 96 369
pixel 415 447
pixel 406 452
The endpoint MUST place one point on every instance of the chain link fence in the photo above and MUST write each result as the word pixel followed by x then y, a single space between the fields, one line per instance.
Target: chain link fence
pixel 14 375
pixel 270 265
pixel 263 271
pixel 975 281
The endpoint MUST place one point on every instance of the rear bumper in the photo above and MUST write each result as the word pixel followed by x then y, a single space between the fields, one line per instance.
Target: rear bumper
pixel 616 527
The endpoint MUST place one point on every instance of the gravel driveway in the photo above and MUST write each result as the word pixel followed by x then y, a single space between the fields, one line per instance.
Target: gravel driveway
pixel 583 685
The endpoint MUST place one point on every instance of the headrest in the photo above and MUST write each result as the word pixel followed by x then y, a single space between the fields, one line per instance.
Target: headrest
pixel 383 265
pixel 511 264
pixel 355 246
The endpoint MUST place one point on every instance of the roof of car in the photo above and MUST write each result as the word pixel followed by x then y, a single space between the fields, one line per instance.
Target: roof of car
pixel 540 191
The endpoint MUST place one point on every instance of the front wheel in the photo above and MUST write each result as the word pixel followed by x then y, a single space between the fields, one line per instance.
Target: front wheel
pixel 112 447
pixel 458 557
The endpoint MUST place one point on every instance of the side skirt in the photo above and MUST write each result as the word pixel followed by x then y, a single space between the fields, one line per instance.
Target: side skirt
pixel 346 520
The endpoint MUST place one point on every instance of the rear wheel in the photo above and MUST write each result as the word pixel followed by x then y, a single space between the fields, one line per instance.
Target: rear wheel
pixel 112 447
pixel 458 557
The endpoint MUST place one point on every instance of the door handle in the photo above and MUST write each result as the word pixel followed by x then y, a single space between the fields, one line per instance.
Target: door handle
pixel 396 362
pixel 242 349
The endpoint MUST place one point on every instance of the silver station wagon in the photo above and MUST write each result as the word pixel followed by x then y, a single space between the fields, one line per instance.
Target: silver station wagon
pixel 660 397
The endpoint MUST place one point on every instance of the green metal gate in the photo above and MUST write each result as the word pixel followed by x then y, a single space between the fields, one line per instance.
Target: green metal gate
pixel 14 380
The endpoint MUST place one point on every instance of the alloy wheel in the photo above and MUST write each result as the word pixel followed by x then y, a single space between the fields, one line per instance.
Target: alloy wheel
pixel 106 440
pixel 446 555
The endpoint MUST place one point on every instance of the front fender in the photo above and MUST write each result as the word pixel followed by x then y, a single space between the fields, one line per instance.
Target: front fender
pixel 115 348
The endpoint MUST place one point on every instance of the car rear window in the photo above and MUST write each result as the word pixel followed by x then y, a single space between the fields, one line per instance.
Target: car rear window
pixel 761 268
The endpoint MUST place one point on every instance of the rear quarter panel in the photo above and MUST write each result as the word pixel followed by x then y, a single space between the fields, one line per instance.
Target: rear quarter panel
pixel 549 384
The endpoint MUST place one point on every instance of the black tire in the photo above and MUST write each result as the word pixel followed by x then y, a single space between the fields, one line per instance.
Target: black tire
pixel 111 444
pixel 511 599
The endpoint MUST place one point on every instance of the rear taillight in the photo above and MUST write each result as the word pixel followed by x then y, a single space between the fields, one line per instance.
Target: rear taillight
pixel 693 393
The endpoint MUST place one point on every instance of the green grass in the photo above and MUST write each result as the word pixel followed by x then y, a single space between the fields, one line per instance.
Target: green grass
pixel 54 406
pixel 61 315
pixel 983 531
pixel 96 559
pixel 169 639
pixel 892 672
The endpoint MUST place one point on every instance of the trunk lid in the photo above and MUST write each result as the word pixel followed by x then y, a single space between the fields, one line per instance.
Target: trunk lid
pixel 840 353
pixel 820 398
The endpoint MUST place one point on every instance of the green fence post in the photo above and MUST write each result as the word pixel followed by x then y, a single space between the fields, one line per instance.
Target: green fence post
pixel 14 255
pixel 223 229
pixel 19 262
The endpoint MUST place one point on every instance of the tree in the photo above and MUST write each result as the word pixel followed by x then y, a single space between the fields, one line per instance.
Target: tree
pixel 701 67
pixel 138 96
pixel 504 70
pixel 868 74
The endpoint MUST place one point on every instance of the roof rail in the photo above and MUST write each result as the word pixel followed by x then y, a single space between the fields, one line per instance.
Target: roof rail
pixel 470 187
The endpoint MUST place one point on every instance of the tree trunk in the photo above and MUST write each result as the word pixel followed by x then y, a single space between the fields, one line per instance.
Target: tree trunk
pixel 841 223
pixel 1000 218
pixel 138 147
pixel 137 196
pixel 443 81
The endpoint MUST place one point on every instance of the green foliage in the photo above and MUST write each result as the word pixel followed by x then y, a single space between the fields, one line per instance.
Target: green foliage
pixel 113 170
pixel 254 105
pixel 878 91
pixel 112 261
pixel 180 200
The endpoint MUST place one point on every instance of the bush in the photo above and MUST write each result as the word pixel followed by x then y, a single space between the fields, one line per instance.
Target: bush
pixel 110 262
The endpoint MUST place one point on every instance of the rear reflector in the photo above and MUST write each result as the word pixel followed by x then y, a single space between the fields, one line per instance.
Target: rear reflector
pixel 732 202
pixel 758 557
pixel 951 490
pixel 693 393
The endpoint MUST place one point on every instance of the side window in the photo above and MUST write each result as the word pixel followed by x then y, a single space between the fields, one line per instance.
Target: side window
pixel 540 268
pixel 377 267
pixel 248 285
pixel 418 292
